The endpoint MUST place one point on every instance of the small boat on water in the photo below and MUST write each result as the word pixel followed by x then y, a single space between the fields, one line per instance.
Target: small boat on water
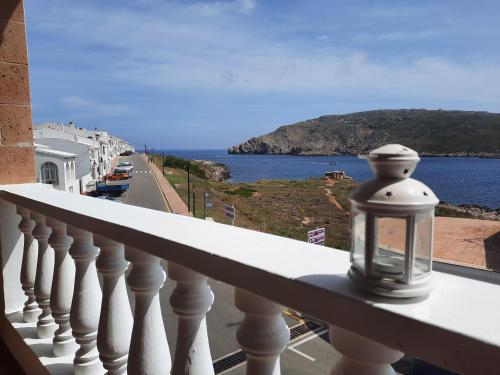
pixel 332 163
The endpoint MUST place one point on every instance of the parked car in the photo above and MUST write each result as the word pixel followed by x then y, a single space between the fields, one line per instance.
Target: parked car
pixel 102 188
pixel 124 167
pixel 117 175
pixel 126 153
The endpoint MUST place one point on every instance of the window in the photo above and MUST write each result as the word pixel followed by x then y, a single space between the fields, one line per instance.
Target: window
pixel 49 173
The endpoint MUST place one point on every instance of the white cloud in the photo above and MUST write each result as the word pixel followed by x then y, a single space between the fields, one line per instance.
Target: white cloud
pixel 176 48
pixel 405 36
pixel 245 6
pixel 88 108
pixel 218 8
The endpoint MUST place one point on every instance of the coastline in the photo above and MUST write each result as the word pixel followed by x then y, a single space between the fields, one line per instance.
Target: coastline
pixel 444 209
pixel 468 211
pixel 470 181
pixel 480 155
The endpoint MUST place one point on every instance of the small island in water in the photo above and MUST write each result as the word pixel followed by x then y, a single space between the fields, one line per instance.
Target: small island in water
pixel 430 132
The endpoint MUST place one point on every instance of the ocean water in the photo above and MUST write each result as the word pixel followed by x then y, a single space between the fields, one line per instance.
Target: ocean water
pixel 453 180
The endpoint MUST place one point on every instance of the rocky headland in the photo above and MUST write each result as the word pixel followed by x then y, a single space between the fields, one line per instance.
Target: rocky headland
pixel 430 132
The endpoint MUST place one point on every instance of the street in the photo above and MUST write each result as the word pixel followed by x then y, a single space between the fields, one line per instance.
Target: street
pixel 308 353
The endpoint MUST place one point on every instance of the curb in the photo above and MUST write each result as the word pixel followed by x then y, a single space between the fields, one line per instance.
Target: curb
pixel 168 195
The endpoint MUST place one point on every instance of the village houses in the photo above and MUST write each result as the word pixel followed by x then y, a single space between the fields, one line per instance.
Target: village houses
pixel 69 157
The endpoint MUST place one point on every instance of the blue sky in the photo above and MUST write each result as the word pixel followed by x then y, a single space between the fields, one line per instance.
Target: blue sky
pixel 211 74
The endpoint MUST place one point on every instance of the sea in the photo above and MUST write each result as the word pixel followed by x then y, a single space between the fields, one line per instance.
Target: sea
pixel 455 180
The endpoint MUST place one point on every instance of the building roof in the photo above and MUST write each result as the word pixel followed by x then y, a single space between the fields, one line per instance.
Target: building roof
pixel 72 129
pixel 49 151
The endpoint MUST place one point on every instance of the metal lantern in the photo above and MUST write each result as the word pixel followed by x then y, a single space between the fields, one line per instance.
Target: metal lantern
pixel 392 227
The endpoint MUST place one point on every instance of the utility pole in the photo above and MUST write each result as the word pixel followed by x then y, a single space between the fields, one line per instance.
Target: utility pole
pixel 163 163
pixel 189 191
pixel 194 203
pixel 205 205
pixel 145 150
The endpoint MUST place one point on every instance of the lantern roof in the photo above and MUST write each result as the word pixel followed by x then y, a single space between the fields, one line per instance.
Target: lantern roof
pixel 394 151
pixel 401 192
pixel 392 165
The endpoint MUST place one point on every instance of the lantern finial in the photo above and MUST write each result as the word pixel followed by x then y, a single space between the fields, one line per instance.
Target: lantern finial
pixel 393 161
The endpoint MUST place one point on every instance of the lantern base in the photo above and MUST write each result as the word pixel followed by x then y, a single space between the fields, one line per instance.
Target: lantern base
pixel 390 288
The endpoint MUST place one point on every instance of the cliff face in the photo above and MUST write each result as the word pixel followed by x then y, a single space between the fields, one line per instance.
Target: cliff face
pixel 430 132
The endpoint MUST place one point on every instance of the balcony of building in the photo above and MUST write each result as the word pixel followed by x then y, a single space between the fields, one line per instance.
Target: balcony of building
pixel 81 278
pixel 70 261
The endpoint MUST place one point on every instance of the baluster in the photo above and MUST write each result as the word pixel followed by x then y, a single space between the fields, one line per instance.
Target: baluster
pixel 62 288
pixel 191 300
pixel 149 353
pixel 360 355
pixel 86 302
pixel 263 333
pixel 115 323
pixel 43 281
pixel 28 267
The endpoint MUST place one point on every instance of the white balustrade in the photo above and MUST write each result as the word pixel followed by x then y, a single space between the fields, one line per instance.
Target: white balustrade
pixel 360 355
pixel 62 287
pixel 115 323
pixel 149 353
pixel 370 332
pixel 86 304
pixel 191 300
pixel 263 334
pixel 31 311
pixel 44 272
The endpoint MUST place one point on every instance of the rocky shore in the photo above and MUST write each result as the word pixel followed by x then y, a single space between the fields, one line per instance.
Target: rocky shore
pixel 214 171
pixel 472 211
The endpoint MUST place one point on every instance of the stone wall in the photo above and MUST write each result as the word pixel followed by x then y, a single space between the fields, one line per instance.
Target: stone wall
pixel 17 158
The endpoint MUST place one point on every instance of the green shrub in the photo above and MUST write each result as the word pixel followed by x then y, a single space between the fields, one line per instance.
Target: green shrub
pixel 242 191
pixel 179 163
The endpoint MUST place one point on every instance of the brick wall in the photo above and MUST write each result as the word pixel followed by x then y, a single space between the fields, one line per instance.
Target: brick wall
pixel 17 159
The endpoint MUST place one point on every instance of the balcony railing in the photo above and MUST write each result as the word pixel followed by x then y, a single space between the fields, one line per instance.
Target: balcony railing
pixel 69 240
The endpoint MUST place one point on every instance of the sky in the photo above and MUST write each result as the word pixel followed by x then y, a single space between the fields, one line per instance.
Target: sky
pixel 211 74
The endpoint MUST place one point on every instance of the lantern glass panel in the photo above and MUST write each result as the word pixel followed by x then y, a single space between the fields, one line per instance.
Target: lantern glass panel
pixel 358 239
pixel 389 259
pixel 423 243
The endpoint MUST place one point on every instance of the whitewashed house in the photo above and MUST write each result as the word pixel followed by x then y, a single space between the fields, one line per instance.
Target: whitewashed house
pixel 102 147
pixel 82 168
pixel 56 168
pixel 52 130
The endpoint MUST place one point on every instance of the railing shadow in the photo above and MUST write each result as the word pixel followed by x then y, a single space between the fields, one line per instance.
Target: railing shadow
pixel 492 252
pixel 344 284
pixel 43 350
pixel 60 368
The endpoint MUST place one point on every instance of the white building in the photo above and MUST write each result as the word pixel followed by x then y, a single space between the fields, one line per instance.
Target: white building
pixel 57 168
pixel 102 147
pixel 83 171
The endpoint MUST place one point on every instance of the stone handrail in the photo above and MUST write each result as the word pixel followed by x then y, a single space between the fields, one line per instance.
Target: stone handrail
pixel 456 327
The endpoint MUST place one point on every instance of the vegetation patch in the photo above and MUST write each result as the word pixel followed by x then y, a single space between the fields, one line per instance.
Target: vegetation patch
pixel 242 192
pixel 180 163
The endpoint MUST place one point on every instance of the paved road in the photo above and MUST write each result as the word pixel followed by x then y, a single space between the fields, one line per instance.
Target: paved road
pixel 144 190
pixel 312 356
